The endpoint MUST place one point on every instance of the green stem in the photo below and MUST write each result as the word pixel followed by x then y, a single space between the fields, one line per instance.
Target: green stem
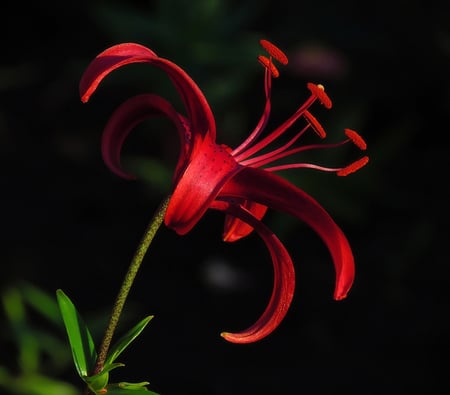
pixel 138 257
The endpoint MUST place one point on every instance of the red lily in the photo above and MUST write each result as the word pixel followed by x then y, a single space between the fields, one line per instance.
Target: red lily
pixel 238 182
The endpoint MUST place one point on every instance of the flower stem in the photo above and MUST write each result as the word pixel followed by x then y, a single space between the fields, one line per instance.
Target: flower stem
pixel 138 257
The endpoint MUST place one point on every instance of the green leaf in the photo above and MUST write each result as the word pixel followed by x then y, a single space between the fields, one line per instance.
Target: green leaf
pixel 42 302
pixel 80 339
pixel 106 369
pixel 133 386
pixel 98 383
pixel 35 384
pixel 100 380
pixel 133 389
pixel 126 339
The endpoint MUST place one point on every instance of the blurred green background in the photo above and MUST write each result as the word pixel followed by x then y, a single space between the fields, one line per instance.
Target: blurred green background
pixel 68 223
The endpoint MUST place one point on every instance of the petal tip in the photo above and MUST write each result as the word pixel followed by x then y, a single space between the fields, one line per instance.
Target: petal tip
pixel 340 296
pixel 236 338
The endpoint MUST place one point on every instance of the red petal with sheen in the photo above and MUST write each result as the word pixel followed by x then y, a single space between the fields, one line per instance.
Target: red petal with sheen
pixel 273 191
pixel 127 116
pixel 283 280
pixel 235 228
pixel 210 167
pixel 197 107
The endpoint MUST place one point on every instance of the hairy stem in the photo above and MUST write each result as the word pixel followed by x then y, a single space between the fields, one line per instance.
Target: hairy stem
pixel 138 257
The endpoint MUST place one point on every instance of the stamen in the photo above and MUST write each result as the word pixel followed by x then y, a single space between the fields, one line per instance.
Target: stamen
pixel 262 121
pixel 278 153
pixel 319 92
pixel 353 167
pixel 265 61
pixel 274 51
pixel 356 139
pixel 315 125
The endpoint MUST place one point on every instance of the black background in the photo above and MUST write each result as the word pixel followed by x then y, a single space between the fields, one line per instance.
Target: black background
pixel 68 223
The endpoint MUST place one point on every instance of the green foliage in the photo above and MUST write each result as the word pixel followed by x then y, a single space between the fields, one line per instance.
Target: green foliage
pixel 126 339
pixel 130 389
pixel 85 356
pixel 80 339
pixel 40 355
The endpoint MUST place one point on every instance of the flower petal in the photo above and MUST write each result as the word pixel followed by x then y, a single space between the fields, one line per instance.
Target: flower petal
pixel 197 107
pixel 235 229
pixel 273 191
pixel 210 167
pixel 109 60
pixel 127 116
pixel 283 283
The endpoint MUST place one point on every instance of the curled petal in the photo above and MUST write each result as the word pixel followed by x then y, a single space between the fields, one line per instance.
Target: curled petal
pixel 235 228
pixel 259 186
pixel 283 283
pixel 198 110
pixel 127 116
pixel 108 61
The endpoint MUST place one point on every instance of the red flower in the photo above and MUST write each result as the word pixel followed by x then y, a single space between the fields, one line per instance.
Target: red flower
pixel 240 182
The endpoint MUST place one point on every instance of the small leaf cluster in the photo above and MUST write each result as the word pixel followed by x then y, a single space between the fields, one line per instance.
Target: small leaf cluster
pixel 85 356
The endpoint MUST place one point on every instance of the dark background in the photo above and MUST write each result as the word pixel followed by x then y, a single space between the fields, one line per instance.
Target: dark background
pixel 68 223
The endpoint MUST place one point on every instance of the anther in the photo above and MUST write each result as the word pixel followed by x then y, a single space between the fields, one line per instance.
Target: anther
pixel 265 61
pixel 356 139
pixel 274 51
pixel 353 167
pixel 319 92
pixel 315 125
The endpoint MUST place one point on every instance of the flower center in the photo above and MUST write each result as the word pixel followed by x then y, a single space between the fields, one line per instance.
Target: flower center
pixel 210 168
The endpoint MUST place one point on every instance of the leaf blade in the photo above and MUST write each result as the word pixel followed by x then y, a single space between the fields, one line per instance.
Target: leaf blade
pixel 116 390
pixel 126 339
pixel 80 339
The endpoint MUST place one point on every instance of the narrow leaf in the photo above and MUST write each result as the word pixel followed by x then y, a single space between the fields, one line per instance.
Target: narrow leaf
pixel 80 339
pixel 114 389
pixel 126 339
pixel 42 302
pixel 133 386
pixel 106 369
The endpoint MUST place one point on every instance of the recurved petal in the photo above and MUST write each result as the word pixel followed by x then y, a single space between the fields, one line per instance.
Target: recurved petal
pixel 273 191
pixel 197 107
pixel 283 281
pixel 127 116
pixel 235 228
pixel 109 60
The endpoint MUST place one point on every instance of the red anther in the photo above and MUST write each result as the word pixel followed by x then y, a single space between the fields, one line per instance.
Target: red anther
pixel 274 51
pixel 353 167
pixel 265 61
pixel 314 123
pixel 319 92
pixel 356 139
